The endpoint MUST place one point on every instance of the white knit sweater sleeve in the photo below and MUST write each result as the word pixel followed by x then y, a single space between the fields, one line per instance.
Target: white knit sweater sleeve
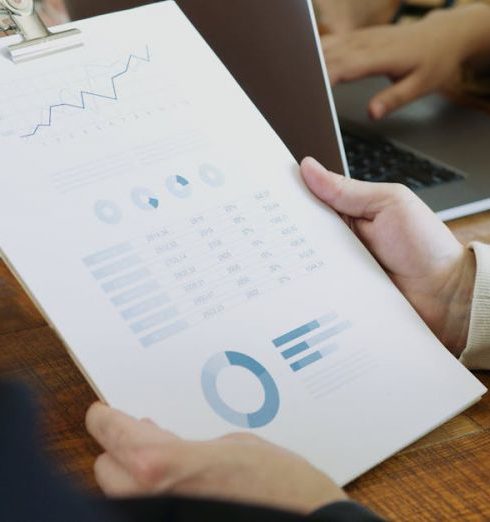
pixel 477 353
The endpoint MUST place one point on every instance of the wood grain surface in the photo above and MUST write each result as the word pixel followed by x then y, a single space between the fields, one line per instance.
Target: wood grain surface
pixel 444 476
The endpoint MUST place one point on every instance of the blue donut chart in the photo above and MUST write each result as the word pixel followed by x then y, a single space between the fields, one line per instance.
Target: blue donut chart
pixel 257 419
pixel 144 198
pixel 211 175
pixel 179 186
pixel 108 212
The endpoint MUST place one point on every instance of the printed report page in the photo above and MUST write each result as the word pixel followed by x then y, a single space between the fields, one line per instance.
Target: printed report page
pixel 164 230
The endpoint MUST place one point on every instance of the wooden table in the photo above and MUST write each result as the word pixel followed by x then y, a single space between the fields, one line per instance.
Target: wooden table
pixel 445 476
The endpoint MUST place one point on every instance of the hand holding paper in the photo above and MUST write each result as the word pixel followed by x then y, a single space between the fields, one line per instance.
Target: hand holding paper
pixel 196 280
pixel 142 459
pixel 419 253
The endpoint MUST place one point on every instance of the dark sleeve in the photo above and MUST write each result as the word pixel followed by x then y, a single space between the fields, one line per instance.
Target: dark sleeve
pixel 345 512
pixel 187 510
pixel 31 491
pixel 167 509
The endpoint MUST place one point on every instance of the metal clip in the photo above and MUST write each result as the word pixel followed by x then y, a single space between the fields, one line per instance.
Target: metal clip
pixel 20 16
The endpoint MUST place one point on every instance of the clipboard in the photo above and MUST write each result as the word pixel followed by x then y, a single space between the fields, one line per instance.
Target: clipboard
pixel 20 17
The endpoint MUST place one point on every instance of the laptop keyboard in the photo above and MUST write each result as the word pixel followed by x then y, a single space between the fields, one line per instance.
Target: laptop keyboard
pixel 373 158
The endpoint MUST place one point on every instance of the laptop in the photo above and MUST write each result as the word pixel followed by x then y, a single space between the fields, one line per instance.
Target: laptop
pixel 434 146
pixel 273 50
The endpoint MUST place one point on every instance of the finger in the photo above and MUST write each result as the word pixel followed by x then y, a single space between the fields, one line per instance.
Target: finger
pixel 353 198
pixel 364 53
pixel 165 466
pixel 330 41
pixel 117 433
pixel 114 479
pixel 349 66
pixel 396 96
pixel 156 459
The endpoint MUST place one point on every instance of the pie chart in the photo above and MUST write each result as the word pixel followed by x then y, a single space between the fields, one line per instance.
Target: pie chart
pixel 144 198
pixel 179 186
pixel 209 378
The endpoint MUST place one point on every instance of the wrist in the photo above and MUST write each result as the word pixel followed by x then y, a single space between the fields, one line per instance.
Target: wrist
pixel 458 295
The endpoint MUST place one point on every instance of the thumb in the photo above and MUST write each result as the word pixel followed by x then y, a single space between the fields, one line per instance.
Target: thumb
pixel 358 199
pixel 396 96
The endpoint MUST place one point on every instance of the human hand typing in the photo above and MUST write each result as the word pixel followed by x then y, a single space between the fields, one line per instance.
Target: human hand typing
pixel 419 58
pixel 418 252
pixel 141 459
pixel 340 16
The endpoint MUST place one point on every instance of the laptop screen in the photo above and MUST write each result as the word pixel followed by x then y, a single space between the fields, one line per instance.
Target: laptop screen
pixel 270 48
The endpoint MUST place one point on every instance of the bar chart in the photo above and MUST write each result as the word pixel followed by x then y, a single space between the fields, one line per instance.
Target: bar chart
pixel 302 350
pixel 322 355
pixel 136 294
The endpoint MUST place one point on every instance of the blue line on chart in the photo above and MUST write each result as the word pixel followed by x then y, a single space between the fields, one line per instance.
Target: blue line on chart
pixel 83 106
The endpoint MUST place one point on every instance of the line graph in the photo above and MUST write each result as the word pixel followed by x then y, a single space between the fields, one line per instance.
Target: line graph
pixel 84 94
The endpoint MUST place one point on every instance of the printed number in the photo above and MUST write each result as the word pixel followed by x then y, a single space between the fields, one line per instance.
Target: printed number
pixel 185 273
pixel 313 267
pixel 171 261
pixel 211 312
pixel 262 195
pixel 171 245
pixel 233 269
pixel 203 299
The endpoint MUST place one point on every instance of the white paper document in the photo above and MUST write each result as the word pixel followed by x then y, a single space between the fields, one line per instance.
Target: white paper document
pixel 163 228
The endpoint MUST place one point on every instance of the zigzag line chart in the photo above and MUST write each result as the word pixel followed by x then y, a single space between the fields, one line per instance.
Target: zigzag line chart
pixel 84 94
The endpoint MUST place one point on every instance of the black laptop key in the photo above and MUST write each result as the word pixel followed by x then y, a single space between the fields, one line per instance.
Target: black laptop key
pixel 375 159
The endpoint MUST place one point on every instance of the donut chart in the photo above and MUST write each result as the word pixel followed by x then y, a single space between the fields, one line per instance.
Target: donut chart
pixel 108 212
pixel 257 419
pixel 178 186
pixel 144 198
pixel 211 175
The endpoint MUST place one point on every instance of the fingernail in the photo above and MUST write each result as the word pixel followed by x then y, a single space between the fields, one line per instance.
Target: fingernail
pixel 313 162
pixel 378 110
